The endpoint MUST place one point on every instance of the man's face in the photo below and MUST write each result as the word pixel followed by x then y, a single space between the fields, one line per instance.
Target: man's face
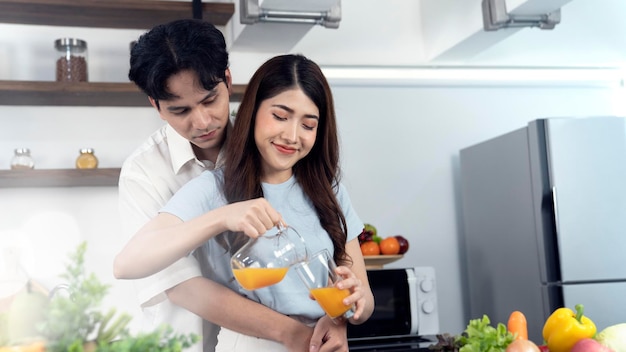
pixel 199 115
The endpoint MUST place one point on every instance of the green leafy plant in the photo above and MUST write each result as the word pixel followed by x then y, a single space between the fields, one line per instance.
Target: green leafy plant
pixel 162 340
pixel 479 336
pixel 74 323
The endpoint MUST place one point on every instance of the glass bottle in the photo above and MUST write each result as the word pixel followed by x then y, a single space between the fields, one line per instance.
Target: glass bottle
pixel 22 160
pixel 86 159
pixel 71 65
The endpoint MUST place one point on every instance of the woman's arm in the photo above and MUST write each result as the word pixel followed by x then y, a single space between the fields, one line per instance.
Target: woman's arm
pixel 166 238
pixel 356 280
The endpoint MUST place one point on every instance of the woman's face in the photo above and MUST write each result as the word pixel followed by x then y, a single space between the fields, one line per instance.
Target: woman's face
pixel 284 132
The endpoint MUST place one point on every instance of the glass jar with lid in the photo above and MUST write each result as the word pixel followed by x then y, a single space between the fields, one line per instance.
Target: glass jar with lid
pixel 86 159
pixel 71 64
pixel 22 160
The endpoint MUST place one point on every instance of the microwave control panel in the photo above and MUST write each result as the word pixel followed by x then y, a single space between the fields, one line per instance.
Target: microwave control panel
pixel 426 296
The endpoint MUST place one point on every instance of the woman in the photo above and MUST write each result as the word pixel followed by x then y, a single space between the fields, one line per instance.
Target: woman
pixel 281 165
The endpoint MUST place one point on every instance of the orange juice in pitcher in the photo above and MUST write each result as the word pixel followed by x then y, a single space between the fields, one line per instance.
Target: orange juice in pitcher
pixel 265 260
pixel 255 278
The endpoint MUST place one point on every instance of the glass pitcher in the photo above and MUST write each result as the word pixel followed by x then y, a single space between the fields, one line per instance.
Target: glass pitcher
pixel 265 260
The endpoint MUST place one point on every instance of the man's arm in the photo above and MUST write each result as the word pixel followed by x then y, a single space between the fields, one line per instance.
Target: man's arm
pixel 226 308
pixel 329 336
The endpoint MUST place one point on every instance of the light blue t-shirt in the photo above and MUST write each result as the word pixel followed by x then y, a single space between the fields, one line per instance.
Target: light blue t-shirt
pixel 290 296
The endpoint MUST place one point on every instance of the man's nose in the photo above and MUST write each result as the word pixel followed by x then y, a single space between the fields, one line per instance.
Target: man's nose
pixel 200 118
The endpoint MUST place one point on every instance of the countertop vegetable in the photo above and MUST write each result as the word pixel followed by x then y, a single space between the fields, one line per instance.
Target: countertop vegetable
pixel 517 325
pixel 522 345
pixel 614 337
pixel 479 336
pixel 564 328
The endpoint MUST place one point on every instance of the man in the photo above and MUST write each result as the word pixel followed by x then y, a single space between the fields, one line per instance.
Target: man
pixel 183 68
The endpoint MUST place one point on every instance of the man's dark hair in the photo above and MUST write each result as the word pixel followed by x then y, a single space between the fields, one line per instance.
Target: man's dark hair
pixel 180 45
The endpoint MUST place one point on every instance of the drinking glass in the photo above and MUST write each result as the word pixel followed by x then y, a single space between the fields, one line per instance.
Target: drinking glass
pixel 320 277
pixel 265 260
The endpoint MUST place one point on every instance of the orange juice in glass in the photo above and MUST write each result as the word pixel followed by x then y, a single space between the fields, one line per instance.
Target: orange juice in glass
pixel 320 277
pixel 265 260
pixel 331 300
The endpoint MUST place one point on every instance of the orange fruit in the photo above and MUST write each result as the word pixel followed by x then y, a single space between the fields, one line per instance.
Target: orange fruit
pixel 389 246
pixel 370 248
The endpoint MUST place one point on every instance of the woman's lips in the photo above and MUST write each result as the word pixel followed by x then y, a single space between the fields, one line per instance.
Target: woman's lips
pixel 284 149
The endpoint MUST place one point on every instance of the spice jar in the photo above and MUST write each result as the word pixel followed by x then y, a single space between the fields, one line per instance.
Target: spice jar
pixel 71 60
pixel 86 159
pixel 22 160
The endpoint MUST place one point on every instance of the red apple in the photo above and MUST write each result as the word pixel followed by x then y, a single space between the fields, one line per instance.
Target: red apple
pixel 404 244
pixel 589 345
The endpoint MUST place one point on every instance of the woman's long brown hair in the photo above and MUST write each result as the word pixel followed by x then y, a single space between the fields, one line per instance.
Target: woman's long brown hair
pixel 318 173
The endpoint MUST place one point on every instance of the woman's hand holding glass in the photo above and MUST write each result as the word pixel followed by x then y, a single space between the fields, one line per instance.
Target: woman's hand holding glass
pixel 336 290
pixel 351 282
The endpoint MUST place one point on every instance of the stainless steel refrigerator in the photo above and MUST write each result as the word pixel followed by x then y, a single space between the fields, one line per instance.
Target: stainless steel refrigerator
pixel 544 221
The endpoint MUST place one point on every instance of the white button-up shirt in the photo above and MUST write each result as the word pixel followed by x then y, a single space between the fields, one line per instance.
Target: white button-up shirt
pixel 149 178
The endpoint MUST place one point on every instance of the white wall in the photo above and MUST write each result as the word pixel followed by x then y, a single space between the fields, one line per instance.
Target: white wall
pixel 400 147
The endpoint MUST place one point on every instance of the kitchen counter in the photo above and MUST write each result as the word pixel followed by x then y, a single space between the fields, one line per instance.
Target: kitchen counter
pixel 393 344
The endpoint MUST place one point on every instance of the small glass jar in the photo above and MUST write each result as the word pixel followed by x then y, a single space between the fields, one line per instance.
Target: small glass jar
pixel 86 159
pixel 22 160
pixel 71 65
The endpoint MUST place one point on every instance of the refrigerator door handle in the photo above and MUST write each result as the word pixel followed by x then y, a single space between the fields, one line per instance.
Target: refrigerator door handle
pixel 556 213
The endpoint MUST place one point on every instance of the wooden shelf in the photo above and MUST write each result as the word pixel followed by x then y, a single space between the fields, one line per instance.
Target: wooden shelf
pixel 377 261
pixel 79 93
pixel 120 14
pixel 59 178
pixel 123 14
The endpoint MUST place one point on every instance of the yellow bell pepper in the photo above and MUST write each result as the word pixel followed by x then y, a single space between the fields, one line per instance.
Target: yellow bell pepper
pixel 564 328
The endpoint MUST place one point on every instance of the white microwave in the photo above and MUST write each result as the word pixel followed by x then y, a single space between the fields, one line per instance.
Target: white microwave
pixel 405 305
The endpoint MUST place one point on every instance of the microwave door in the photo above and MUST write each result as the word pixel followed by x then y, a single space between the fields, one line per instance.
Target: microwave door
pixel 394 298
pixel 413 301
